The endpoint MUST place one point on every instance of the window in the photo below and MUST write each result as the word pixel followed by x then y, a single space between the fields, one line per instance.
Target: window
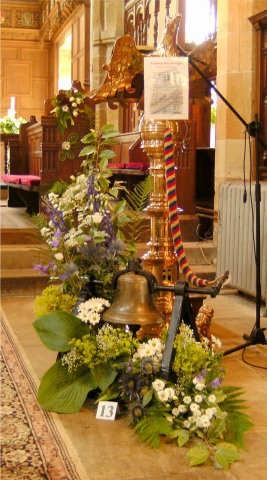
pixel 200 20
pixel 64 63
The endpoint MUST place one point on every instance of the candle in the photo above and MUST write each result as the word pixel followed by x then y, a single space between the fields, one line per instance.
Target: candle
pixel 11 113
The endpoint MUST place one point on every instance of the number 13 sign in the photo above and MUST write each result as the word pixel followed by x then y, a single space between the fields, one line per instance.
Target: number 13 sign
pixel 106 410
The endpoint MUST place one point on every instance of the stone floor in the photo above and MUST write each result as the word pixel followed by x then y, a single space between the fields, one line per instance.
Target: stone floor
pixel 110 450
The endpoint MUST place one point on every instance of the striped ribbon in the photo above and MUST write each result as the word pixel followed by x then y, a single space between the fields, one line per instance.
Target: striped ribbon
pixel 173 213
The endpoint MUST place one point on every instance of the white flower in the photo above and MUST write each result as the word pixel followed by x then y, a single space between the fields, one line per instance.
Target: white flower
pixel 186 424
pixel 216 341
pixel 171 393
pixel 198 398
pixel 59 256
pixel 65 108
pixel 66 146
pixel 194 407
pixel 175 412
pixel 45 231
pixel 182 409
pixel 200 386
pixel 75 113
pixel 187 399
pixel 96 304
pixel 203 421
pixel 96 217
pixel 78 101
pixel 94 317
pixel 74 104
pixel 72 99
pixel 158 385
pixel 212 398
pixel 163 395
pixel 209 412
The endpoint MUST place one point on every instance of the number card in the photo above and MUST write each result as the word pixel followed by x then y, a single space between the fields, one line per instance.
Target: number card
pixel 107 410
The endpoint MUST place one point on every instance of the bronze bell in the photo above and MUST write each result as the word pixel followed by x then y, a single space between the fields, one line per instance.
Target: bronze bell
pixel 133 303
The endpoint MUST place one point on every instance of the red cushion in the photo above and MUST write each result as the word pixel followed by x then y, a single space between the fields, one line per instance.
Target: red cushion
pixel 30 180
pixel 11 178
pixel 116 165
pixel 137 166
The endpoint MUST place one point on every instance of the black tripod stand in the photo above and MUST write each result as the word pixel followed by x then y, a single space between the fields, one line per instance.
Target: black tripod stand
pixel 257 334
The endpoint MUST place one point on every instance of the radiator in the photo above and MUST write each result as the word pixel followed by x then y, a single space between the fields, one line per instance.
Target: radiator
pixel 235 247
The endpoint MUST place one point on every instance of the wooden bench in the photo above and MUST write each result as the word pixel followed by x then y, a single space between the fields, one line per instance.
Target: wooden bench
pixel 23 190
pixel 34 163
pixel 131 163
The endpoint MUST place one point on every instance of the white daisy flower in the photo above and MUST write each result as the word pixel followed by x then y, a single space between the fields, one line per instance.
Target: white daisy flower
pixel 158 385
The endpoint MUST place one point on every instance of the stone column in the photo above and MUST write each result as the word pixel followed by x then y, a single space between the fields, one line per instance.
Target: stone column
pixel 235 81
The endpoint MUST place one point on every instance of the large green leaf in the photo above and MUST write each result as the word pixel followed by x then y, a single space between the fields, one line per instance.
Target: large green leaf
pixel 57 329
pixel 63 391
pixel 104 376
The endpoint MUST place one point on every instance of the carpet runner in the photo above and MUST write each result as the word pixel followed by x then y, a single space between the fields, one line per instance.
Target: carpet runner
pixel 34 444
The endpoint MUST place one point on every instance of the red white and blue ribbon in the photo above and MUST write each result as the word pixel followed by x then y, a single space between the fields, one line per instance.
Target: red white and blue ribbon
pixel 173 213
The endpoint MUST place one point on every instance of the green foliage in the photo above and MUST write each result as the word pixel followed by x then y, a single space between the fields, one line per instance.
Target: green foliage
pixel 190 356
pixel 53 299
pixel 237 421
pixel 63 391
pixel 11 125
pixel 137 200
pixel 150 429
pixel 197 455
pixel 226 453
pixel 57 329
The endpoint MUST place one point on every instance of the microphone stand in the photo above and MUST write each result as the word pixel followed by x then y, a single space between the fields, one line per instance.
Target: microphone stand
pixel 257 334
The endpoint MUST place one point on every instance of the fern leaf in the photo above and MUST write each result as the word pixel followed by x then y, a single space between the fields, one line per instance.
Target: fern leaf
pixel 237 422
pixel 138 197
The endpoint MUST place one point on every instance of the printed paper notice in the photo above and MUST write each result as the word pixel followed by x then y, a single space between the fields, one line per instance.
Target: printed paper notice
pixel 166 88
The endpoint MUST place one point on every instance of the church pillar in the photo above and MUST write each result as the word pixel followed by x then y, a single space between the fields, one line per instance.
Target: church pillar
pixel 235 81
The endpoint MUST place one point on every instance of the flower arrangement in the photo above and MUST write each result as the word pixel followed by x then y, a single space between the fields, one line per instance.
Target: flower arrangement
pixel 82 222
pixel 83 229
pixel 191 409
pixel 11 125
pixel 68 104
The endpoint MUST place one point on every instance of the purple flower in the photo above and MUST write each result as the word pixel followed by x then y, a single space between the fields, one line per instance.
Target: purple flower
pixel 216 382
pixel 55 243
pixel 43 269
pixel 69 270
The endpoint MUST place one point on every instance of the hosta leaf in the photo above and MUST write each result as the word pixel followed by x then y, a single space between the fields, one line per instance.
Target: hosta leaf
pixel 104 376
pixel 197 455
pixel 57 329
pixel 63 391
